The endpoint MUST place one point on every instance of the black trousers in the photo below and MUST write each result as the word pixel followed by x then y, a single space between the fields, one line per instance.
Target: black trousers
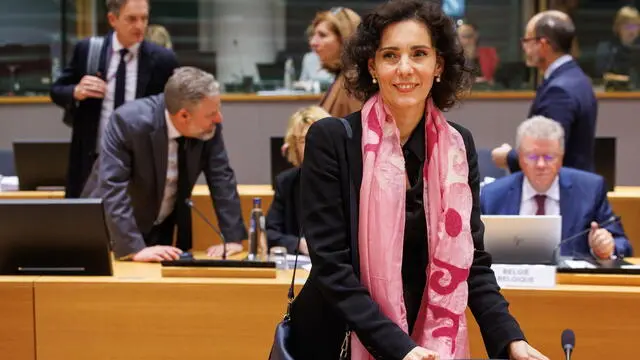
pixel 162 234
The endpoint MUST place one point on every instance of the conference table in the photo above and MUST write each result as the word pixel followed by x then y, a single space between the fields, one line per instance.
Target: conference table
pixel 625 201
pixel 138 314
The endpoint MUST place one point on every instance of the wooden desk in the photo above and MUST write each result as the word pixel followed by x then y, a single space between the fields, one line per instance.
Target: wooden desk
pixel 17 330
pixel 138 315
pixel 625 202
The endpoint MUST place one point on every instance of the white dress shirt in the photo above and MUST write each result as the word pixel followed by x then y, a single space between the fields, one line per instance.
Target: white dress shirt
pixel 528 204
pixel 556 64
pixel 171 183
pixel 130 83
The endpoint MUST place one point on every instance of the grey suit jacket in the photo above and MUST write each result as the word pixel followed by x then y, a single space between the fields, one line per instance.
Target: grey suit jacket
pixel 131 170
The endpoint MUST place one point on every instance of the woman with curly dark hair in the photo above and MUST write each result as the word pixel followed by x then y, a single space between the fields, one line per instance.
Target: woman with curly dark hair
pixel 390 207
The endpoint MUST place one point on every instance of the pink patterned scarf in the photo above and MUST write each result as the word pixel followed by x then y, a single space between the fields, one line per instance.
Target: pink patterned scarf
pixel 441 324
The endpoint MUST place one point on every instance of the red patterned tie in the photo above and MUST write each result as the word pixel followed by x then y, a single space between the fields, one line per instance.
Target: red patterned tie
pixel 540 199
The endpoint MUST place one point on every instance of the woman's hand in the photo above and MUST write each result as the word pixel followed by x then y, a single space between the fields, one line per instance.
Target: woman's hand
pixel 521 350
pixel 420 353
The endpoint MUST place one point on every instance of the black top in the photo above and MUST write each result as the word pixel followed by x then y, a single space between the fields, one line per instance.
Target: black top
pixel 333 296
pixel 617 58
pixel 415 255
pixel 282 222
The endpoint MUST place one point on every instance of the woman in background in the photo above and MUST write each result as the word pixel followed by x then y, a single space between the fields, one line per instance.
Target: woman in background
pixel 283 218
pixel 158 34
pixel 618 59
pixel 483 59
pixel 331 30
pixel 312 69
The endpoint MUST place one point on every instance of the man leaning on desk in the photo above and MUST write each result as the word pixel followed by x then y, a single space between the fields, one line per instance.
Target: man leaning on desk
pixel 152 152
pixel 544 187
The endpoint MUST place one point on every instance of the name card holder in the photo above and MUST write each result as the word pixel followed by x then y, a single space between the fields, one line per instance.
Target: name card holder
pixel 525 276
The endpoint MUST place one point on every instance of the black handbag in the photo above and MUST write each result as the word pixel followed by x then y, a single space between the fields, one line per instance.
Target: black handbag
pixel 93 59
pixel 280 347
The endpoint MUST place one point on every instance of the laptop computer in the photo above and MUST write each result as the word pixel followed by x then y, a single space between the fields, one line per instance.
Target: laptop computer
pixel 515 239
pixel 41 164
pixel 54 237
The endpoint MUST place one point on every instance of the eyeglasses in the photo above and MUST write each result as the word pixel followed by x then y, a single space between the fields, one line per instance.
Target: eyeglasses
pixel 526 40
pixel 534 158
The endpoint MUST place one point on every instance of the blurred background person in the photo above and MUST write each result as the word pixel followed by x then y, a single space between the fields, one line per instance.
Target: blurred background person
pixel 158 34
pixel 283 218
pixel 482 59
pixel 617 59
pixel 331 29
pixel 311 69
pixel 566 94
pixel 135 68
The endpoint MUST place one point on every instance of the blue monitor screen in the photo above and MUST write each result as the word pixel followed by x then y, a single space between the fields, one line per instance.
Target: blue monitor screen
pixel 453 8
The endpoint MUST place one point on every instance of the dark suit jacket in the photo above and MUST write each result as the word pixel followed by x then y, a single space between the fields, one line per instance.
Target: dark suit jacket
pixel 333 295
pixel 155 66
pixel 583 199
pixel 567 97
pixel 283 220
pixel 131 171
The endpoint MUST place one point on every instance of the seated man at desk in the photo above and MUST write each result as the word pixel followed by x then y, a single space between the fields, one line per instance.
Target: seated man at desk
pixel 151 155
pixel 544 187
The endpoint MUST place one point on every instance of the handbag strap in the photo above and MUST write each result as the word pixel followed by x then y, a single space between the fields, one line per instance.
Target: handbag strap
pixel 352 206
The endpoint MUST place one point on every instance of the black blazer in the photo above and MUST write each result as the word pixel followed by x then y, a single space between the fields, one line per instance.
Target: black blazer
pixel 155 66
pixel 333 296
pixel 283 221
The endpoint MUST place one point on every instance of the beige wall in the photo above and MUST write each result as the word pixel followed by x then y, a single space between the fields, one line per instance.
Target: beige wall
pixel 249 125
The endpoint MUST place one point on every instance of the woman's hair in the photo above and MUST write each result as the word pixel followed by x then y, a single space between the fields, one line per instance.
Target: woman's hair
pixel 343 22
pixel 297 122
pixel 159 35
pixel 455 78
pixel 626 14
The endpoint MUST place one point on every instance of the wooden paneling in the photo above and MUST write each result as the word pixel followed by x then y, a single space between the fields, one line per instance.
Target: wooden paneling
pixel 17 334
pixel 139 315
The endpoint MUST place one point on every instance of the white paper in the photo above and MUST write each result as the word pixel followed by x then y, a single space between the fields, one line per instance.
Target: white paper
pixel 579 264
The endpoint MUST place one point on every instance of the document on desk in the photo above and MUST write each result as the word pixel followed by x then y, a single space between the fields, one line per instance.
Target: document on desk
pixel 578 264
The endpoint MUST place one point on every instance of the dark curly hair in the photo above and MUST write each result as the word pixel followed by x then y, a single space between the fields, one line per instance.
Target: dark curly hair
pixel 456 78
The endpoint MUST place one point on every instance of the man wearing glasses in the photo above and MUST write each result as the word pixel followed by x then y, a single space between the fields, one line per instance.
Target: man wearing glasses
pixel 565 95
pixel 545 187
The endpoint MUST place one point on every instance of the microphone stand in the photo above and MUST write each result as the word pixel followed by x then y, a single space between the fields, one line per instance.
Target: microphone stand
pixel 189 203
pixel 228 263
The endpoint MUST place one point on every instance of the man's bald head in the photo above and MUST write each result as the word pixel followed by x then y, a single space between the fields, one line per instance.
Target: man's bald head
pixel 556 27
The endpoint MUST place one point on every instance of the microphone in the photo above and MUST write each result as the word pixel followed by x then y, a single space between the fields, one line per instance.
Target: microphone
pixel 609 221
pixel 568 339
pixel 189 203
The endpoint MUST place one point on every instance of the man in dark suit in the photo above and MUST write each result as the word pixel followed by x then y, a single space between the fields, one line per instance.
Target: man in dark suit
pixel 151 155
pixel 544 187
pixel 129 68
pixel 566 94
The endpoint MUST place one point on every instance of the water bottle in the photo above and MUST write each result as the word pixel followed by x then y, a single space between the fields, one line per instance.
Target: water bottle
pixel 257 233
pixel 289 74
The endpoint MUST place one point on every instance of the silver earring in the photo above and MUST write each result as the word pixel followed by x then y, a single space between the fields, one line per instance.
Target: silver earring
pixel 374 80
pixel 438 78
